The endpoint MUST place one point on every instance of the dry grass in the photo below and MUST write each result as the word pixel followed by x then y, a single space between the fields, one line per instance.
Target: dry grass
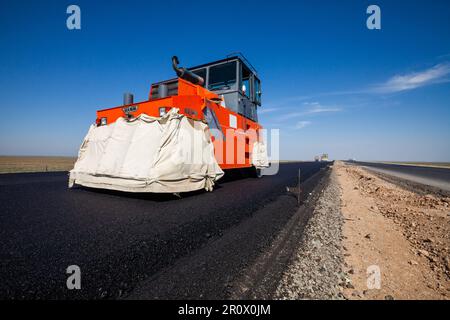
pixel 10 164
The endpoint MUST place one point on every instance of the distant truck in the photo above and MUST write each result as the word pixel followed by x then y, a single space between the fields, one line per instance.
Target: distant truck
pixel 324 157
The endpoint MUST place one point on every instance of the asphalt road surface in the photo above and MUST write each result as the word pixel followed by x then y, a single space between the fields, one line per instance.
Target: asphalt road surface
pixel 137 245
pixel 431 176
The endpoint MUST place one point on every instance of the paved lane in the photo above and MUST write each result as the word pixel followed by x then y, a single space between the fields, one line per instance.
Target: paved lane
pixel 431 176
pixel 117 239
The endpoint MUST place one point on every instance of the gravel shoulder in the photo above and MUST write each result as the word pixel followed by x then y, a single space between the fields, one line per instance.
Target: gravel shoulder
pixel 316 268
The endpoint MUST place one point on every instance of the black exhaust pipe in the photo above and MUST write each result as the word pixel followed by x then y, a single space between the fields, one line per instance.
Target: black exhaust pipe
pixel 185 74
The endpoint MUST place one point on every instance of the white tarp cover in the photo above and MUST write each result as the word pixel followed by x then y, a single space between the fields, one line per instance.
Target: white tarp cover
pixel 147 154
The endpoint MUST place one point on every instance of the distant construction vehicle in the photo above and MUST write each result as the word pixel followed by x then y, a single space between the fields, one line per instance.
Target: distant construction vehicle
pixel 181 138
pixel 324 157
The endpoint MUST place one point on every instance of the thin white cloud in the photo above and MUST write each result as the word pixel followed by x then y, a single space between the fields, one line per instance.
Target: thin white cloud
pixel 267 110
pixel 436 74
pixel 302 124
pixel 282 104
pixel 295 99
pixel 439 73
pixel 318 108
pixel 312 108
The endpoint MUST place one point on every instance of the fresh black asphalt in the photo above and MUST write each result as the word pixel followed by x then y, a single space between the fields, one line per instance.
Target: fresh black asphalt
pixel 120 240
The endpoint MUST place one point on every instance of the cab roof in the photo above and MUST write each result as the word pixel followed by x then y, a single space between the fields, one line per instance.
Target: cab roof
pixel 232 57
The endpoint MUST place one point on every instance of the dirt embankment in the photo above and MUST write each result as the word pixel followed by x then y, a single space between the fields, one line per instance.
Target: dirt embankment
pixel 396 241
pixel 372 239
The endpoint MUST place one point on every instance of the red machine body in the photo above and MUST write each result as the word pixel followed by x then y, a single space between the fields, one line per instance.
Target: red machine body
pixel 237 126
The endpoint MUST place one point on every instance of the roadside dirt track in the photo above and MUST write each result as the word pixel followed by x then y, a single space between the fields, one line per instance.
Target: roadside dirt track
pixel 372 236
pixel 405 234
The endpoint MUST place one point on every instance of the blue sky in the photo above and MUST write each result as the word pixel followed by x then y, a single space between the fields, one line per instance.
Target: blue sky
pixel 329 83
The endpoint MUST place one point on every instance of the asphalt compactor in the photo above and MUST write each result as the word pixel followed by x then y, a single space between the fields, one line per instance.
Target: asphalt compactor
pixel 181 139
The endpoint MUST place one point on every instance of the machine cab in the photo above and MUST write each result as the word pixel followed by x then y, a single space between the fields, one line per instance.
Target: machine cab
pixel 234 78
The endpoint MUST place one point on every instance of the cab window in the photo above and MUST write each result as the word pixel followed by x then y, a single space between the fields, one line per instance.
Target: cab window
pixel 222 76
pixel 245 82
pixel 257 86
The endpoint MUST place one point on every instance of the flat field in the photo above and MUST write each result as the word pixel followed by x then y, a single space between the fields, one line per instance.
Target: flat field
pixel 11 164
